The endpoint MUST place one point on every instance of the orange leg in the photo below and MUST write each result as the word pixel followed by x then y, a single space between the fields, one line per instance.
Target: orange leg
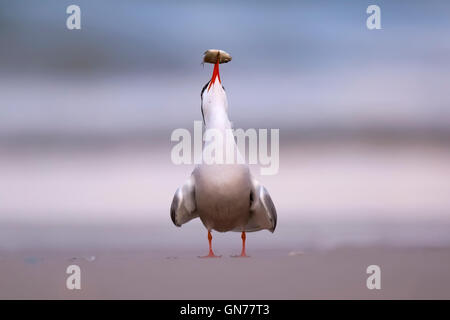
pixel 211 253
pixel 243 254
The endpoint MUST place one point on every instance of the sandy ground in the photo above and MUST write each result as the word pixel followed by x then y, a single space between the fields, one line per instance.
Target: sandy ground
pixel 416 273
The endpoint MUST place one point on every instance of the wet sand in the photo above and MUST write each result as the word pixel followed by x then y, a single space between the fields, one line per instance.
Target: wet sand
pixel 413 273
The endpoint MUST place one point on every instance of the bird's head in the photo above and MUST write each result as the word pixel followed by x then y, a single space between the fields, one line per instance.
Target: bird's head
pixel 213 93
pixel 214 99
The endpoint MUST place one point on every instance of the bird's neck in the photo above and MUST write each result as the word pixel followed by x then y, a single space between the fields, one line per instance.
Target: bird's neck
pixel 217 118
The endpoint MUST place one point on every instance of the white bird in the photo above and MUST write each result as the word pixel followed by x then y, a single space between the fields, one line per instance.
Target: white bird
pixel 224 196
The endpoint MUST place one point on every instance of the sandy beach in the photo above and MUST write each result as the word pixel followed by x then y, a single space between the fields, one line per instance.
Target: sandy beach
pixel 406 273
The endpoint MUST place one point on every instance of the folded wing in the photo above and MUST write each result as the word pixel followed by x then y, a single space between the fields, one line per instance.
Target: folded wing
pixel 263 214
pixel 183 208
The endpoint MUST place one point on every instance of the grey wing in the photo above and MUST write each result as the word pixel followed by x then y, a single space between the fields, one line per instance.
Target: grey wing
pixel 183 208
pixel 263 214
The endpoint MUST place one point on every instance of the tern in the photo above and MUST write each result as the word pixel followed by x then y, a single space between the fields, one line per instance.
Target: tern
pixel 224 196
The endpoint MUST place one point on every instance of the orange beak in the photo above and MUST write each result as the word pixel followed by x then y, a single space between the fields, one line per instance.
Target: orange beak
pixel 215 74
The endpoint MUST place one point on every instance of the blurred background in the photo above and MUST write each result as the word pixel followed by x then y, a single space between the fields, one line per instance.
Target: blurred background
pixel 86 117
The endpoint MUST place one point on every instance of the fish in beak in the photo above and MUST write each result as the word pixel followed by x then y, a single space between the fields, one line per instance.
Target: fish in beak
pixel 211 56
pixel 215 75
pixel 216 57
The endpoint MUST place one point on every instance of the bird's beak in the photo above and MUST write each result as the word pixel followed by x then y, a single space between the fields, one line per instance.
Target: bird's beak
pixel 215 74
